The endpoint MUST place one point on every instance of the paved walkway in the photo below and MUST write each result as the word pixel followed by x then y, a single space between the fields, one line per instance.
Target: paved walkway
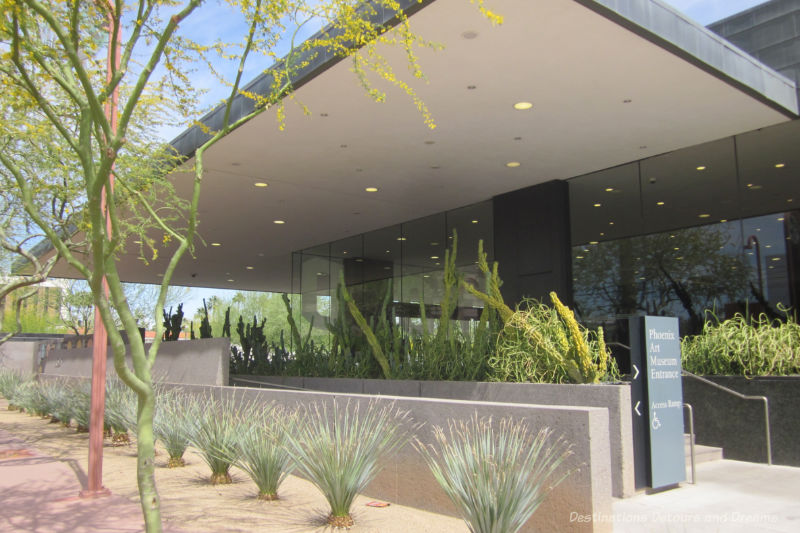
pixel 729 497
pixel 40 494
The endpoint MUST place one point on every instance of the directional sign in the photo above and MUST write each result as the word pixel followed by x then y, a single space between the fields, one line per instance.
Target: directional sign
pixel 657 402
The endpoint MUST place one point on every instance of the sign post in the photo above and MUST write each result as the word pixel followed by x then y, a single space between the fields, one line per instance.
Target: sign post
pixel 657 402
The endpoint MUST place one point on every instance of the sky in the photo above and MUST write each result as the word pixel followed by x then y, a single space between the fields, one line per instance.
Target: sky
pixel 218 13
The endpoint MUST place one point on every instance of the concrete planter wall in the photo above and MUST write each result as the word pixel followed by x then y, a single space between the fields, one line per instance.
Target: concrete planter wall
pixel 200 361
pixel 614 398
pixel 737 426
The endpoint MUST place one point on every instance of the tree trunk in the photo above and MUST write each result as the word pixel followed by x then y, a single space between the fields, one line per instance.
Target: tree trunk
pixel 145 471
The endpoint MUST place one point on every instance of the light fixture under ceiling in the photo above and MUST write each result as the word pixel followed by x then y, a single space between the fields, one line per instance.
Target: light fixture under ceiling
pixel 513 164
pixel 279 222
pixel 371 189
pixel 523 106
pixel 780 165
pixel 703 215
pixel 216 244
pixel 701 167
pixel 260 184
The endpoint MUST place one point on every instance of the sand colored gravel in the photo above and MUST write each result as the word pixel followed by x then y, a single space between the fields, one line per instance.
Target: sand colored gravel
pixel 188 502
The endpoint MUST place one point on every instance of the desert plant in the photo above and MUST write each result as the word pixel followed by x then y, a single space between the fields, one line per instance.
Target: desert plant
pixel 28 397
pixel 56 395
pixel 216 424
pixel 754 346
pixel 9 381
pixel 173 323
pixel 495 474
pixel 545 344
pixel 174 423
pixel 78 404
pixel 337 447
pixel 262 448
pixel 120 411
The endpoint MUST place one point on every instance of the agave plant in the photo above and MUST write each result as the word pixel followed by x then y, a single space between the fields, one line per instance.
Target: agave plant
pixel 497 475
pixel 174 422
pixel 120 411
pixel 216 424
pixel 262 448
pixel 338 449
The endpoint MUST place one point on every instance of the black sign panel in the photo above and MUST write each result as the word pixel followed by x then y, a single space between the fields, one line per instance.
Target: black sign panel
pixel 657 402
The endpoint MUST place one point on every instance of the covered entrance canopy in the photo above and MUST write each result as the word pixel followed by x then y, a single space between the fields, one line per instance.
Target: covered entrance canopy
pixel 610 82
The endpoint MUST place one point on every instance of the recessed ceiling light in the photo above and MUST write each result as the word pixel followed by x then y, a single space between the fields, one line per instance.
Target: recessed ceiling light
pixel 426 276
pixel 159 275
pixel 323 114
pixel 627 101
pixel 320 273
pixel 248 267
pixel 790 199
pixel 469 34
pixel 676 248
pixel 517 138
pixel 724 220
pixel 703 215
pixel 474 221
pixel 780 219
pixel 359 260
pixel 679 258
pixel 216 244
pixel 472 87
pixel 753 186
pixel 279 221
pixel 260 184
pixel 642 147
pixel 776 258
pixel 768 246
pixel 780 165
pixel 578 257
pixel 371 189
pixel 513 164
pixel 401 238
pixel 434 257
pixel 592 242
pixel 598 205
pixel 523 106
pixel 137 242
pixel 602 234
pixel 434 244
pixel 609 189
pixel 437 264
pixel 230 280
pixel 342 146
pixel 659 203
pixel 610 223
pixel 387 268
pixel 701 167
pixel 388 251
pixel 344 253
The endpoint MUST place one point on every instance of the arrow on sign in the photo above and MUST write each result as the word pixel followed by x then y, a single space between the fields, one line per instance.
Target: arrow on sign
pixel 636 408
pixel 636 370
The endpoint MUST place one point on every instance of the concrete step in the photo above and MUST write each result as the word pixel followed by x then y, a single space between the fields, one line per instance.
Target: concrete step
pixel 702 453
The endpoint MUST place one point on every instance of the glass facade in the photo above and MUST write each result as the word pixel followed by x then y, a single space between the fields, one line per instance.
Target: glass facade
pixel 710 227
pixel 400 266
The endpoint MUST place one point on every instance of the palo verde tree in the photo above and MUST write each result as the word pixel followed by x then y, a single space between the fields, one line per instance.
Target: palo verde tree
pixel 98 103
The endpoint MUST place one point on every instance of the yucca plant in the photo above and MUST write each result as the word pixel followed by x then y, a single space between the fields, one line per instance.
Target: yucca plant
pixel 338 448
pixel 262 448
pixel 10 380
pixel 216 424
pixel 174 423
pixel 79 404
pixel 56 396
pixel 120 411
pixel 495 474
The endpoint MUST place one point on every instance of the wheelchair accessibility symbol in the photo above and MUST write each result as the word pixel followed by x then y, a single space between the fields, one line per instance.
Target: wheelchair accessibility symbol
pixel 655 423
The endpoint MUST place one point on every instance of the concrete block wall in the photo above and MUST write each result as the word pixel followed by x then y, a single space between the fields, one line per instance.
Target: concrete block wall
pixel 615 398
pixel 201 361
pixel 20 356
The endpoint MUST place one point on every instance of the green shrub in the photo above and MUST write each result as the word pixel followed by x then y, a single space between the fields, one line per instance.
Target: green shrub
pixel 216 424
pixel 10 380
pixel 263 448
pixel 544 344
pixel 338 449
pixel 78 405
pixel 120 410
pixel 174 423
pixel 756 346
pixel 56 395
pixel 496 475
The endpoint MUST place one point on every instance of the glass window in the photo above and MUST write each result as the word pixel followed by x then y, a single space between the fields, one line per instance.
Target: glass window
pixel 605 205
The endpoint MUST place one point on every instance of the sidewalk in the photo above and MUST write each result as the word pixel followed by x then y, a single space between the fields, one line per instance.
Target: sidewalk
pixel 40 494
pixel 729 497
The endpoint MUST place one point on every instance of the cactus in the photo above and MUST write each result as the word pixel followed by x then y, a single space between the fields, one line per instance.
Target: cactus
pixel 173 323
pixel 226 326
pixel 205 325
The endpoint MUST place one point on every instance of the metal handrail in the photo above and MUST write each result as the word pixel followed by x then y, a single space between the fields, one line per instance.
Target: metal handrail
pixel 743 397
pixel 691 441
